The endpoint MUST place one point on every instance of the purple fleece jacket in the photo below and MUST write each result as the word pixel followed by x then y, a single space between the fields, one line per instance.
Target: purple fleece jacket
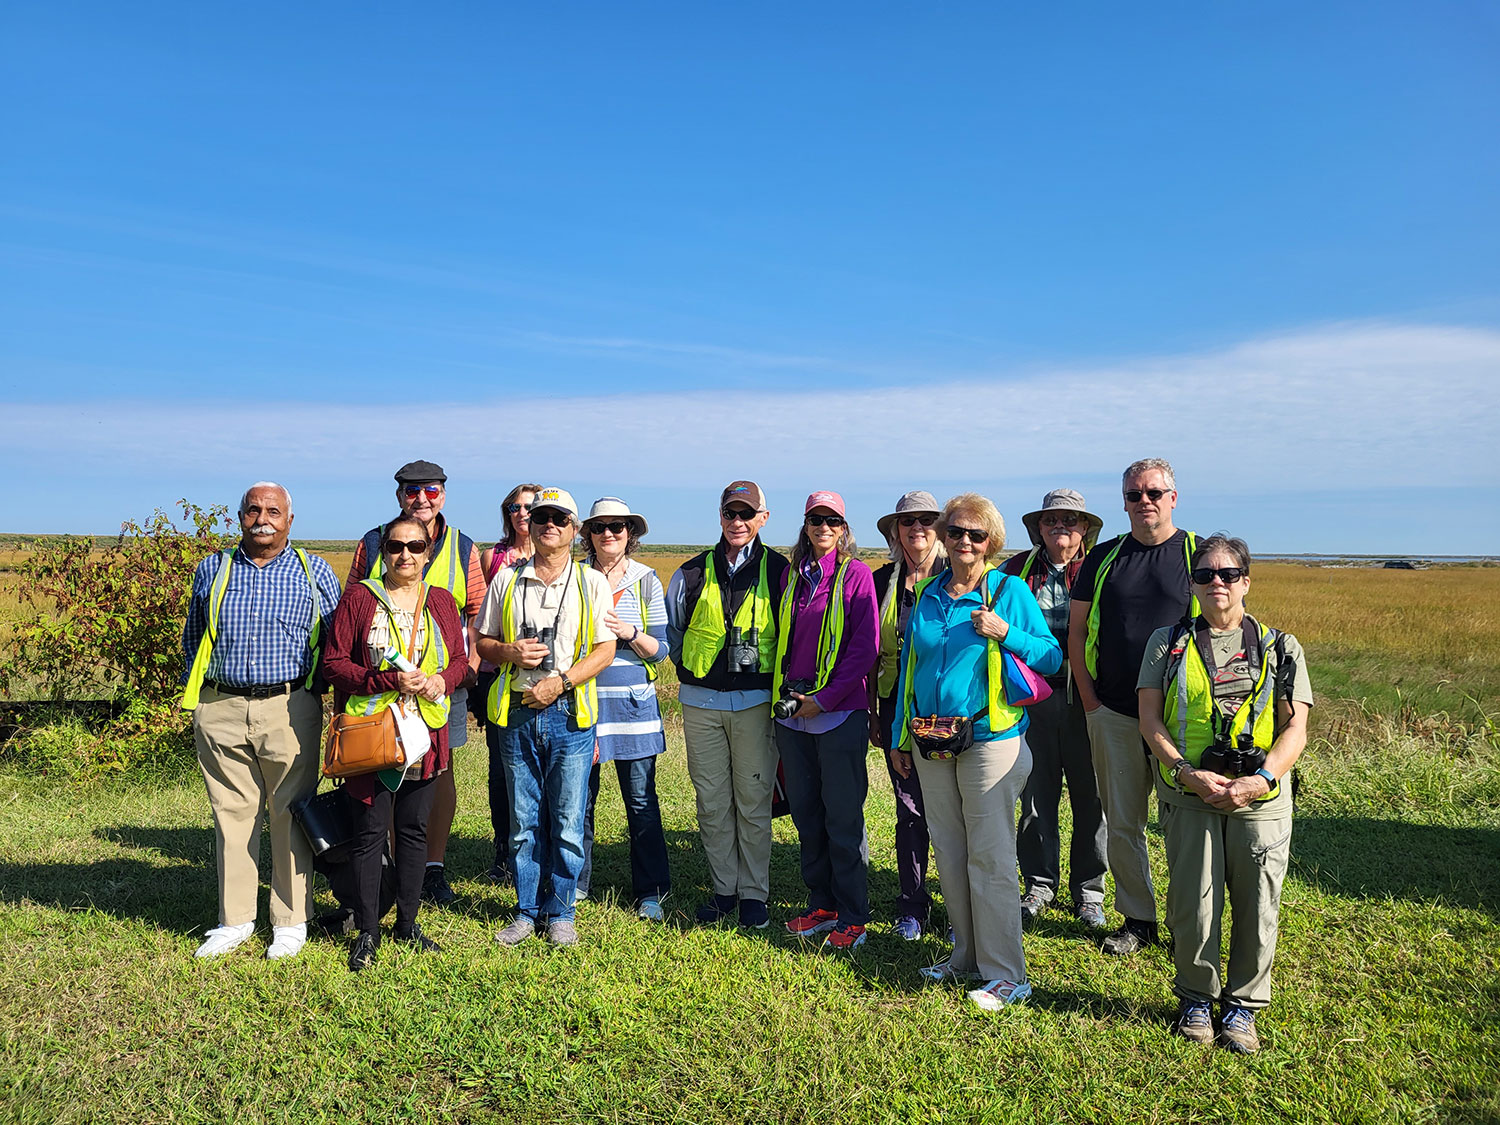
pixel 846 689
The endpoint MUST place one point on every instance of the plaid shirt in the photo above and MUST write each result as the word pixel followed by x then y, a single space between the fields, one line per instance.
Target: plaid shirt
pixel 264 621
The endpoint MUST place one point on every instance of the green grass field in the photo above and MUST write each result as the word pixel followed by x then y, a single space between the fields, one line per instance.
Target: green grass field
pixel 1387 1002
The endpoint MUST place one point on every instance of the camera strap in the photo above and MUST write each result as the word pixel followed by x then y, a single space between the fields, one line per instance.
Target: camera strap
pixel 1255 655
pixel 568 579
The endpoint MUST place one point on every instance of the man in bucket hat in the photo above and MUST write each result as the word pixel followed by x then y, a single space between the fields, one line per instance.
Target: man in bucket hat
pixel 1062 532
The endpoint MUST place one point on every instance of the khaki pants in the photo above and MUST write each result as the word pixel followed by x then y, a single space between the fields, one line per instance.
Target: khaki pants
pixel 1207 854
pixel 731 758
pixel 257 757
pixel 971 815
pixel 1123 769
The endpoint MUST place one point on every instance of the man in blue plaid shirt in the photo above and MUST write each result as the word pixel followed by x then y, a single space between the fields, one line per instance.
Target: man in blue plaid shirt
pixel 253 628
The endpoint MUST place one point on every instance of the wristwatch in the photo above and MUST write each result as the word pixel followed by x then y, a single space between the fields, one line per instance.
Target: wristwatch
pixel 1270 778
pixel 1178 766
pixel 567 683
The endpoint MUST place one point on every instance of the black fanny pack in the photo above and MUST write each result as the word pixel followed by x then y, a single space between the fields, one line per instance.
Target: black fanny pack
pixel 938 739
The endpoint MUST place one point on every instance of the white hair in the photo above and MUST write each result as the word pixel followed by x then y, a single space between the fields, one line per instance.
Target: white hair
pixel 1135 469
pixel 281 488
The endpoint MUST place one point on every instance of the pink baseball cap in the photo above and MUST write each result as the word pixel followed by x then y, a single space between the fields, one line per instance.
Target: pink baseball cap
pixel 825 499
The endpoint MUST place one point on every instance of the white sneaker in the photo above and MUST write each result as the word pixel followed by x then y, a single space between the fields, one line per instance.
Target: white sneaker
pixel 221 939
pixel 286 941
pixel 996 994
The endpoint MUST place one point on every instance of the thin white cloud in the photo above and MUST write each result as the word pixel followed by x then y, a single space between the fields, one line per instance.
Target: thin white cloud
pixel 1351 406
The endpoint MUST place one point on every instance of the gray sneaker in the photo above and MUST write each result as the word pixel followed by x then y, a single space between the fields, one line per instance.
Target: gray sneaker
pixel 1091 914
pixel 1237 1030
pixel 561 933
pixel 1195 1022
pixel 1033 902
pixel 517 932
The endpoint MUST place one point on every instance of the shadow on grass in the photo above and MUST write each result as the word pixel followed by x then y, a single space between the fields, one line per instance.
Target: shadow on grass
pixel 1379 859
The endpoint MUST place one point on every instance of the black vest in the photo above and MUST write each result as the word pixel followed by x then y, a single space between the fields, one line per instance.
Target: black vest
pixel 737 585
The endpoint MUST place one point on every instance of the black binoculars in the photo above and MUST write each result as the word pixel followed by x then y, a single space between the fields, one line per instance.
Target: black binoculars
pixel 546 635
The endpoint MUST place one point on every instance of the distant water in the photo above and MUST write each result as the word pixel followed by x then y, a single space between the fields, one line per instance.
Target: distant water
pixel 1381 558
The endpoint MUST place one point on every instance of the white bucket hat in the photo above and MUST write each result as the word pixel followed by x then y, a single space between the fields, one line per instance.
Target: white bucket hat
pixel 607 507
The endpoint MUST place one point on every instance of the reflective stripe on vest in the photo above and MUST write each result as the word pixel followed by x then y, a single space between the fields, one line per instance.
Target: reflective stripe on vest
pixel 1091 639
pixel 445 570
pixel 703 639
pixel 1189 700
pixel 216 592
pixel 1001 715
pixel 830 631
pixel 433 660
pixel 585 695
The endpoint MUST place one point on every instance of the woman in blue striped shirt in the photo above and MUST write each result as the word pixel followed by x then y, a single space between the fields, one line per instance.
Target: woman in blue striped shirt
pixel 629 729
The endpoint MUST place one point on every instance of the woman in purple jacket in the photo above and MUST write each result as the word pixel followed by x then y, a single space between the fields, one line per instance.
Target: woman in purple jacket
pixel 824 652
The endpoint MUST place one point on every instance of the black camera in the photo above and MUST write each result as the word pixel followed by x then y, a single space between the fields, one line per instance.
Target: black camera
pixel 546 635
pixel 743 649
pixel 786 706
pixel 1233 761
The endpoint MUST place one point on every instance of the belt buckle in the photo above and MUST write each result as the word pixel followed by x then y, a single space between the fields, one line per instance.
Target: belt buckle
pixel 260 691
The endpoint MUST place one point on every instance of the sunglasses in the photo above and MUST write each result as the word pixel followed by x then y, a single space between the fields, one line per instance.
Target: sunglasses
pixel 394 547
pixel 1066 521
pixel 744 515
pixel 975 534
pixel 819 521
pixel 433 490
pixel 555 516
pixel 599 527
pixel 911 521
pixel 1134 494
pixel 514 507
pixel 1204 575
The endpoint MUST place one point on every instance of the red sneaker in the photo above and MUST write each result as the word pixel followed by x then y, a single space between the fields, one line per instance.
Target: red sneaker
pixel 845 937
pixel 811 922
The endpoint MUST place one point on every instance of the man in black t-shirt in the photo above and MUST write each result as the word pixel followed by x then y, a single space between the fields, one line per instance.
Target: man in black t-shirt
pixel 1126 590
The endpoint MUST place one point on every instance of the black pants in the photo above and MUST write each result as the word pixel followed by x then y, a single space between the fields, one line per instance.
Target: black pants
pixel 408 808
pixel 499 800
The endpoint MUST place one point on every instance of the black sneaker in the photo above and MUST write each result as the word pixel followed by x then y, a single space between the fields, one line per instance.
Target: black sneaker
pixel 753 914
pixel 362 956
pixel 500 875
pixel 336 923
pixel 1130 938
pixel 435 888
pixel 717 909
pixel 416 937
pixel 1033 902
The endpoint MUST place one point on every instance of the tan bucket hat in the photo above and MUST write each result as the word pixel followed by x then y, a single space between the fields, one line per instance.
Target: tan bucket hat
pixel 1063 500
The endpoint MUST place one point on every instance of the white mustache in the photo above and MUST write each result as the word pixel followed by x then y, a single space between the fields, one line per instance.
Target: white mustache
pixel 262 529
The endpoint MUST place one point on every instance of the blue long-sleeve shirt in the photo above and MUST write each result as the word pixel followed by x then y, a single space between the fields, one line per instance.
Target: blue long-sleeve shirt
pixel 951 676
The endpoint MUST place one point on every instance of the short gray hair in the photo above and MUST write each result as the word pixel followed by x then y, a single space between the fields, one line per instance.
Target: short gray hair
pixel 1145 465
pixel 245 496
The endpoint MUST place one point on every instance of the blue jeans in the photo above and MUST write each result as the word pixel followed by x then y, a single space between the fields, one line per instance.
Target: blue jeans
pixel 650 876
pixel 547 761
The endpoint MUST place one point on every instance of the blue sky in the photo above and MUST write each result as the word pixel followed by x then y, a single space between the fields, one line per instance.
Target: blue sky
pixel 645 249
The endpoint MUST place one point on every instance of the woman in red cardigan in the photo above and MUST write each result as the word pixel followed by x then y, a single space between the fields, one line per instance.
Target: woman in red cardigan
pixel 373 617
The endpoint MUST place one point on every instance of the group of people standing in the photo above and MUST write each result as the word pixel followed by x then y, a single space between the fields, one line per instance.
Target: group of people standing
pixel 1117 668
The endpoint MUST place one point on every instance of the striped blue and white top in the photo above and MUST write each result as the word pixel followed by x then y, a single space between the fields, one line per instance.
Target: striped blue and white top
pixel 629 719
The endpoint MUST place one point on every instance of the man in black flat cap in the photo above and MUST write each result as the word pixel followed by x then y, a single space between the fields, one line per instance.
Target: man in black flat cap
pixel 421 489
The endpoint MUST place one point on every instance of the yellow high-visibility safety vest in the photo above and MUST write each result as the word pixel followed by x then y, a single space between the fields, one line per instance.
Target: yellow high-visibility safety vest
pixel 1189 700
pixel 830 631
pixel 445 570
pixel 1091 641
pixel 585 695
pixel 704 638
pixel 210 637
pixel 1002 716
pixel 889 660
pixel 640 602
pixel 433 660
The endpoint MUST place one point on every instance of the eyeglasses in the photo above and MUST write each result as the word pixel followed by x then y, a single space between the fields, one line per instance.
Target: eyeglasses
pixel 555 516
pixel 819 521
pixel 975 534
pixel 1134 494
pixel 433 491
pixel 926 521
pixel 394 547
pixel 744 515
pixel 514 507
pixel 1066 521
pixel 1204 575
pixel 599 527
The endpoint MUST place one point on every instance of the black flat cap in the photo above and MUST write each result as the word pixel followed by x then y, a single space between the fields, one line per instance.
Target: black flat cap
pixel 420 472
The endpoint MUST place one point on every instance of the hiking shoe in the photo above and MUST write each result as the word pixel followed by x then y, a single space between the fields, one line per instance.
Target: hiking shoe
pixel 1237 1030
pixel 844 937
pixel 416 937
pixel 650 910
pixel 1091 914
pixel 942 973
pixel 1130 938
pixel 435 888
pixel 907 928
pixel 362 956
pixel 812 921
pixel 1195 1022
pixel 336 923
pixel 753 914
pixel 560 932
pixel 286 941
pixel 716 909
pixel 1033 902
pixel 997 994
pixel 221 939
pixel 517 932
